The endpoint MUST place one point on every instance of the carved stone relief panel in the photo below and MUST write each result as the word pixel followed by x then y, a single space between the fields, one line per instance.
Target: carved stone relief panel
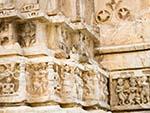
pixel 104 90
pixel 68 85
pixel 27 34
pixel 79 84
pixel 4 31
pixel 90 90
pixel 62 49
pixel 37 82
pixel 130 90
pixel 11 89
pixel 7 34
pixel 57 82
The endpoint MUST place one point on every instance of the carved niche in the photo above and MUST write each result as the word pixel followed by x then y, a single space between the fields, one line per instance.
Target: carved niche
pixel 27 34
pixel 130 91
pixel 37 82
pixel 113 9
pixel 9 79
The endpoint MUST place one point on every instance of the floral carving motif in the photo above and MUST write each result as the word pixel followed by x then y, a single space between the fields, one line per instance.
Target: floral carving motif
pixel 123 13
pixel 113 7
pixel 103 16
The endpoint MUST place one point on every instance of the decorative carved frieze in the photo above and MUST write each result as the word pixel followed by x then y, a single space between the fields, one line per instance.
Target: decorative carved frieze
pixel 130 91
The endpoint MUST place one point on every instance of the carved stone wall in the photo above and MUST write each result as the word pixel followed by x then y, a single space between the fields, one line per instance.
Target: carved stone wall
pixel 81 56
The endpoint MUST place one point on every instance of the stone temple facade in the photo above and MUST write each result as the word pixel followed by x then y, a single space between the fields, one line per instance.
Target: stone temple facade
pixel 74 56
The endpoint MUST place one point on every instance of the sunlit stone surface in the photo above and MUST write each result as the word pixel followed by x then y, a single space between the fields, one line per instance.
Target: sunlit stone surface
pixel 74 56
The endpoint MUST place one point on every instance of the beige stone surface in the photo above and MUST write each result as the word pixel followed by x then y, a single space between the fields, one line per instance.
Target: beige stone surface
pixel 120 61
pixel 134 112
pixel 81 56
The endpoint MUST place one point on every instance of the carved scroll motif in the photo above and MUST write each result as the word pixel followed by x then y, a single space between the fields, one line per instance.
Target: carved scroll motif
pixel 9 79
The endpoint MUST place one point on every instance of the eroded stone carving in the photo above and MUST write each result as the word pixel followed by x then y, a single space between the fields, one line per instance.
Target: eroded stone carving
pixel 79 83
pixel 133 90
pixel 120 91
pixel 90 82
pixel 123 13
pixel 4 30
pixel 27 35
pixel 9 79
pixel 113 7
pixel 37 81
pixel 103 16
pixel 69 92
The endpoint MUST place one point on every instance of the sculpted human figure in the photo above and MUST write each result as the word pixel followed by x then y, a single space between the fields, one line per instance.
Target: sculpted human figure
pixel 132 91
pixel 120 91
pixel 105 89
pixel 38 79
pixel 145 93
pixel 88 87
pixel 68 84
pixel 79 83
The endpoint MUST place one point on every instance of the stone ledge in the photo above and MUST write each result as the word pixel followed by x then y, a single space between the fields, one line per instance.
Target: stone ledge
pixel 122 48
pixel 46 109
